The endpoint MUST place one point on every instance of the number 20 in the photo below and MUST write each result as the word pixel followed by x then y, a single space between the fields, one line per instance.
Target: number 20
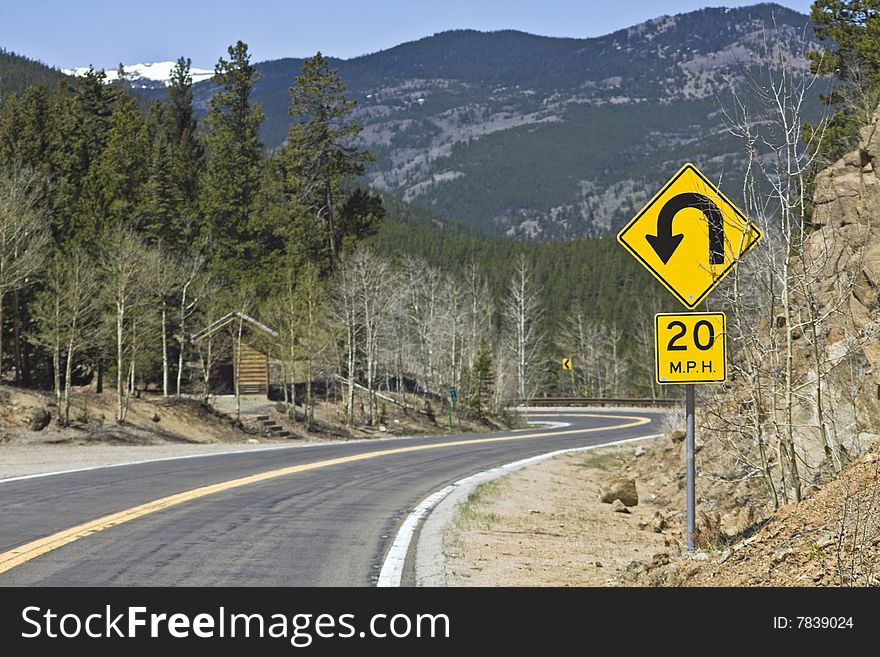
pixel 702 346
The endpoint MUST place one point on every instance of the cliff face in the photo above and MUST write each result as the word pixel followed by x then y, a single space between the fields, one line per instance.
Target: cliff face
pixel 841 263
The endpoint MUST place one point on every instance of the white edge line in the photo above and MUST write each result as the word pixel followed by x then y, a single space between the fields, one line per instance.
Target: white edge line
pixel 392 568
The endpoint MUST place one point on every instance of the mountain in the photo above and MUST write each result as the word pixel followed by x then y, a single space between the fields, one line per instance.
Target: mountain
pixel 155 75
pixel 546 137
pixel 539 137
pixel 17 73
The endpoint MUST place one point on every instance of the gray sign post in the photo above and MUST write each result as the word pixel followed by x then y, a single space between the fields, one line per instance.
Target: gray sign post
pixel 689 465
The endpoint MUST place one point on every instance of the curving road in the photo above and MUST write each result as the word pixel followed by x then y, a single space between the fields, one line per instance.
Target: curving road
pixel 311 515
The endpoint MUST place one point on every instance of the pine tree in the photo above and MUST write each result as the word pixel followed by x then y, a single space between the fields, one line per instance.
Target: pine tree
pixel 319 158
pixel 231 182
pixel 176 163
pixel 23 129
pixel 68 160
pixel 95 104
pixel 78 132
pixel 850 32
pixel 482 376
pixel 115 185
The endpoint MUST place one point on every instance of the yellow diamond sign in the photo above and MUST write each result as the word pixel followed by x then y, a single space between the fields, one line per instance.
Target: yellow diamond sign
pixel 689 236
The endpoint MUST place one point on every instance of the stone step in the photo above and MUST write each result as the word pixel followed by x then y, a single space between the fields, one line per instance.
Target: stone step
pixel 260 418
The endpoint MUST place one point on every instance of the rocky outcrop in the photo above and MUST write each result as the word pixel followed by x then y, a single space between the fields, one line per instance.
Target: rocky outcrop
pixel 842 258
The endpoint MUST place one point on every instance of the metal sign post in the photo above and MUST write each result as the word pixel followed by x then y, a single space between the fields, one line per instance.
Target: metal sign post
pixel 689 236
pixel 690 348
pixel 690 483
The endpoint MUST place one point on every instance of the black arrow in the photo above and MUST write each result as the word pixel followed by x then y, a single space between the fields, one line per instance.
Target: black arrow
pixel 665 243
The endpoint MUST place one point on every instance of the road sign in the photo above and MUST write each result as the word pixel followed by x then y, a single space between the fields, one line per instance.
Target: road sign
pixel 453 394
pixel 690 347
pixel 566 363
pixel 689 236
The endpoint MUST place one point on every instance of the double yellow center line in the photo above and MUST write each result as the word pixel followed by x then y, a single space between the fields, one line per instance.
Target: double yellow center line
pixel 24 553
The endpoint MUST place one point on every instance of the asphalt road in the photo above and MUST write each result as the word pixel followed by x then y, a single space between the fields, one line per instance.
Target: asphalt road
pixel 329 524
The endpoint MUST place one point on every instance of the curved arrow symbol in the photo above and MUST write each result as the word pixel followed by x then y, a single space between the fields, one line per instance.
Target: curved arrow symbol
pixel 665 243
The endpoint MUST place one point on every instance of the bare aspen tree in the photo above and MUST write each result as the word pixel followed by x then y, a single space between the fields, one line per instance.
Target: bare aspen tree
pixel 123 266
pixel 523 314
pixel 477 310
pixel 399 347
pixel 215 345
pixel 243 303
pixel 300 314
pixel 424 299
pixel 475 314
pixel 189 293
pixel 347 312
pixel 23 235
pixel 164 273
pixel 583 339
pixel 67 312
pixel 315 335
pixel 281 313
pixel 372 276
pixel 767 115
pixel 450 334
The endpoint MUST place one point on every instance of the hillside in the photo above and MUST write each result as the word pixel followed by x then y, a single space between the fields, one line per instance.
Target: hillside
pixel 544 137
pixel 17 73
pixel 539 137
pixel 590 275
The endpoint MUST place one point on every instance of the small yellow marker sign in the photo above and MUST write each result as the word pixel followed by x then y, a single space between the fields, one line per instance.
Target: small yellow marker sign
pixel 689 236
pixel 566 363
pixel 690 347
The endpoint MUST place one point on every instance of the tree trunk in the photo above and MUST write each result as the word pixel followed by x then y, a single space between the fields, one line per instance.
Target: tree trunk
pixel 56 366
pixel 164 350
pixel 286 381
pixel 331 224
pixel 310 406
pixel 349 407
pixel 236 372
pixel 789 384
pixel 182 335
pixel 207 363
pixel 16 329
pixel 68 374
pixel 132 387
pixel 2 295
pixel 179 369
pixel 120 392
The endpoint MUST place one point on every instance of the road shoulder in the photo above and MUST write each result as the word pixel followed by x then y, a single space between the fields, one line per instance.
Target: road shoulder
pixel 540 524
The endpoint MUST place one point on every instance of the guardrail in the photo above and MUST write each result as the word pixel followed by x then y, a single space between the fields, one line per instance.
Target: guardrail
pixel 594 401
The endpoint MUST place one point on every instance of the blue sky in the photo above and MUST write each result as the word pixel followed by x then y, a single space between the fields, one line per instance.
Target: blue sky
pixel 105 33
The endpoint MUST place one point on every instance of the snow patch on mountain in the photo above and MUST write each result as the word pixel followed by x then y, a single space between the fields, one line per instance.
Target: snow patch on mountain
pixel 150 74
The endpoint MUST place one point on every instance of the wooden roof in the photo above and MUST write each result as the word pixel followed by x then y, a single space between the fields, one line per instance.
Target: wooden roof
pixel 213 327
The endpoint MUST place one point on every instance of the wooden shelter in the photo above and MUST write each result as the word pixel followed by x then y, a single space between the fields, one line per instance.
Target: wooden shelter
pixel 251 367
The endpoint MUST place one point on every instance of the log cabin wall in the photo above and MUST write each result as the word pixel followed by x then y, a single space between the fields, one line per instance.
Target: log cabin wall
pixel 253 376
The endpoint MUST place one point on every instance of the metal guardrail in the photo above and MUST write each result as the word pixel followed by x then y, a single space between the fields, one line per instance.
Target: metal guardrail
pixel 594 401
